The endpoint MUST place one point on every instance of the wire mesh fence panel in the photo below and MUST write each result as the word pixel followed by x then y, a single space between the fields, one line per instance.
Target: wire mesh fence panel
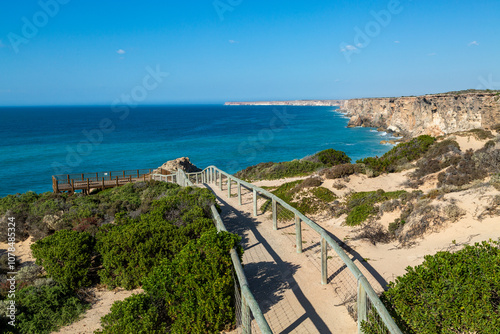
pixel 374 323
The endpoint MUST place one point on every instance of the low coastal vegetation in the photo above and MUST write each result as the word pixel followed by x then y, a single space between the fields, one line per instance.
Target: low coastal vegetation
pixel 156 235
pixel 448 293
pixel 305 166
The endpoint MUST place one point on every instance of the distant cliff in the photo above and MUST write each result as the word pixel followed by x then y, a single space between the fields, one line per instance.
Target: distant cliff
pixel 338 103
pixel 430 114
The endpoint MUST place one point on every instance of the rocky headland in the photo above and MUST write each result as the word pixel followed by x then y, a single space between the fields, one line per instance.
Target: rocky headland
pixel 433 115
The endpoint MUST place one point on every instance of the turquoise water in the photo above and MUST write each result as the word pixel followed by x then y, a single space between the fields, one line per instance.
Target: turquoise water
pixel 36 143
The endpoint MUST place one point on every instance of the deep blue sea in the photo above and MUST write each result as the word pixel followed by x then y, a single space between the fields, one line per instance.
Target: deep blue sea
pixel 36 143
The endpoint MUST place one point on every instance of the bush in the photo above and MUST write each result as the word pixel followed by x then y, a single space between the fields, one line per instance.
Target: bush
pixel 45 308
pixel 466 171
pixel 135 314
pixel 343 170
pixel 361 205
pixel 331 157
pixel 40 215
pixel 444 294
pixel 66 256
pixel 398 155
pixel 306 166
pixel 130 250
pixel 197 287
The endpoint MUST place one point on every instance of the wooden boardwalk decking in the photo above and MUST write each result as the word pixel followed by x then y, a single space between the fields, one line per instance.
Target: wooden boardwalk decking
pixel 86 182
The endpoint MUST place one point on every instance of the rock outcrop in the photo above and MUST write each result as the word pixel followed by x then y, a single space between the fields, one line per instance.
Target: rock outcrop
pixel 174 165
pixel 430 114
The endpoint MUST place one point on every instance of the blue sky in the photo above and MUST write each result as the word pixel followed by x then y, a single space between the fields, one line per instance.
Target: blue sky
pixel 96 52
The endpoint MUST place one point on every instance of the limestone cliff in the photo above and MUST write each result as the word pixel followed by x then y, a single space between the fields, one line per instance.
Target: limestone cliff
pixel 430 114
pixel 338 103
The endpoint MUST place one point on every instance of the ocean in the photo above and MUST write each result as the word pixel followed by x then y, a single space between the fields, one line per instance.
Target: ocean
pixel 38 142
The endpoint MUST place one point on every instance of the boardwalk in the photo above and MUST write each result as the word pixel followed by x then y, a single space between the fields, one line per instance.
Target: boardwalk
pixel 287 285
pixel 86 182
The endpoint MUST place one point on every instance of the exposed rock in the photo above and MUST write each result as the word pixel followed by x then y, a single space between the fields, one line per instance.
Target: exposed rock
pixel 179 163
pixel 52 220
pixel 430 114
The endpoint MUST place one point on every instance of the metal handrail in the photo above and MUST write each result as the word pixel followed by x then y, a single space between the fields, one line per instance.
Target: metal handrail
pixel 365 290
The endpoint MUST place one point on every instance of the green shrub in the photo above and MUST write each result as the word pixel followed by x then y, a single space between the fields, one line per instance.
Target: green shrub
pixel 399 155
pixel 130 250
pixel 66 256
pixel 306 166
pixel 324 194
pixel 135 314
pixel 449 292
pixel 197 287
pixel 359 206
pixel 331 157
pixel 43 309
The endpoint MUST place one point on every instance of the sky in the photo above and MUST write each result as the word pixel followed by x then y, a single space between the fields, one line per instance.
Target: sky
pixel 88 52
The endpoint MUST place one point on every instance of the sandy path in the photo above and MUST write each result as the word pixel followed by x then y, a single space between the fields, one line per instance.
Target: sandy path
pixel 287 285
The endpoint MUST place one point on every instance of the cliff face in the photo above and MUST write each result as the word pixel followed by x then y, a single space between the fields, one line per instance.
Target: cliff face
pixel 338 103
pixel 430 114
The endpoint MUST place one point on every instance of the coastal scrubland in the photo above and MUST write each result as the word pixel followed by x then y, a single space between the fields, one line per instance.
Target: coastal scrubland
pixel 425 216
pixel 152 235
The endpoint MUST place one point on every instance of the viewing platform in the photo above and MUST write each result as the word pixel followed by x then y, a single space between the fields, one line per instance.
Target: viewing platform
pixel 86 182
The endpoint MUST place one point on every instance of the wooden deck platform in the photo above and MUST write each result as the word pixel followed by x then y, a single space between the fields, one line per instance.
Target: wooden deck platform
pixel 86 182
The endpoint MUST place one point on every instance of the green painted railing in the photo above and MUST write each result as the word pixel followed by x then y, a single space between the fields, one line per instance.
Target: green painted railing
pixel 365 292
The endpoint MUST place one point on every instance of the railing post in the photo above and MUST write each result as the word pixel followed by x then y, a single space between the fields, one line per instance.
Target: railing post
pixel 362 316
pixel 220 181
pixel 103 183
pixel 239 193
pixel 117 180
pixel 255 203
pixel 275 215
pixel 246 320
pixel 197 175
pixel 324 259
pixel 72 185
pixel 83 177
pixel 229 187
pixel 88 186
pixel 298 233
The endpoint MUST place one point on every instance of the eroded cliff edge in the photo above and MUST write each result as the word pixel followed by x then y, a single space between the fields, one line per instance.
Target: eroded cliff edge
pixel 430 114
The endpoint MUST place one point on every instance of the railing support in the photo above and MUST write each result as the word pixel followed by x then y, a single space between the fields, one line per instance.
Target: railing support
pixel 255 203
pixel 239 193
pixel 228 187
pixel 275 215
pixel 298 233
pixel 324 261
pixel 220 182
pixel 362 316
pixel 246 320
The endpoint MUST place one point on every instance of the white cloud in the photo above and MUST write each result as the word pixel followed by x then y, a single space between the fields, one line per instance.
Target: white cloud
pixel 233 41
pixel 397 42
pixel 120 51
pixel 474 43
pixel 348 48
